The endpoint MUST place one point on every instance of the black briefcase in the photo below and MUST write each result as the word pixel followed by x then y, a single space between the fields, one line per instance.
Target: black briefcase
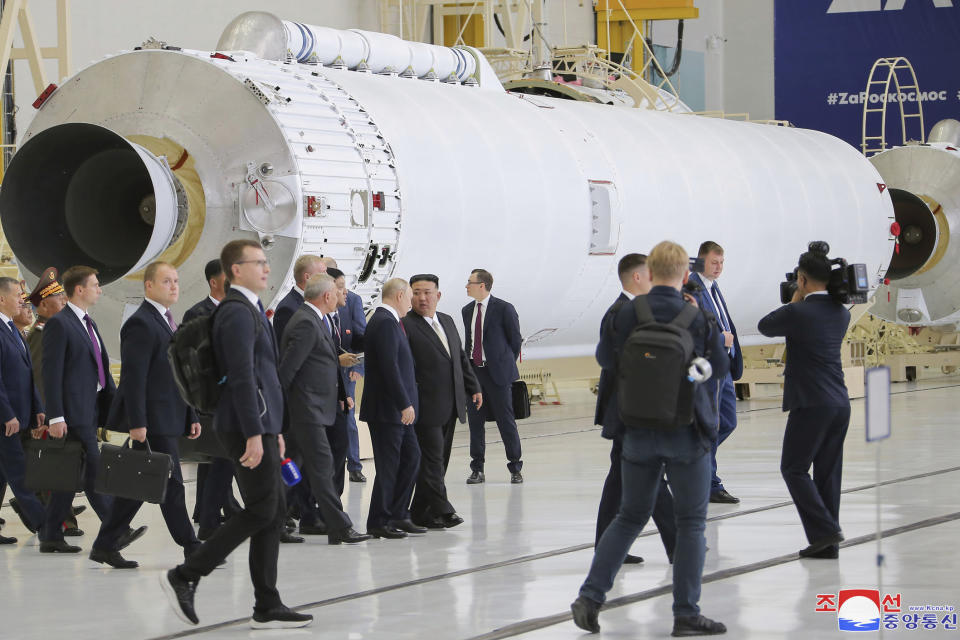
pixel 136 474
pixel 204 449
pixel 521 400
pixel 55 464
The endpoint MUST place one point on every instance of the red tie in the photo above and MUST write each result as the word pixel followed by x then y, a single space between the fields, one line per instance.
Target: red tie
pixel 402 328
pixel 478 338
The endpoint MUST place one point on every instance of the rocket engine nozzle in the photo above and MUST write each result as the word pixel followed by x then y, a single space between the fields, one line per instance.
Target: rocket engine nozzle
pixel 81 194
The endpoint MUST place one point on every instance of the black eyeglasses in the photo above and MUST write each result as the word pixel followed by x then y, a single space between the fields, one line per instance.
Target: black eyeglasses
pixel 469 282
pixel 261 263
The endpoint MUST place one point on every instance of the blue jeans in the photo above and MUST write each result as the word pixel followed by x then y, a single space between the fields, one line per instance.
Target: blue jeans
pixel 646 453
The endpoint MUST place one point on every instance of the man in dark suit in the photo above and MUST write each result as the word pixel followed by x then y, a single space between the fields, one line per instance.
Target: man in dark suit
pixel 310 374
pixel 20 407
pixel 348 338
pixel 389 406
pixel 214 480
pixel 78 392
pixel 710 299
pixel 353 323
pixel 494 358
pixel 635 279
pixel 248 421
pixel 444 381
pixel 304 268
pixel 683 451
pixel 149 406
pixel 815 394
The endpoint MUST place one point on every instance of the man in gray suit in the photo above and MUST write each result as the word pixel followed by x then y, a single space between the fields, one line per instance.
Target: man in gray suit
pixel 310 375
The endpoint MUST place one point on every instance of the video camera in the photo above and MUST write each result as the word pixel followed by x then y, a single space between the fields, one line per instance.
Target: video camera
pixel 697 265
pixel 848 283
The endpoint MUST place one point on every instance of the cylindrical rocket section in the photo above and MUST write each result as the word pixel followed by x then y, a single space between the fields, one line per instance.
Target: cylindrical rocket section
pixel 394 176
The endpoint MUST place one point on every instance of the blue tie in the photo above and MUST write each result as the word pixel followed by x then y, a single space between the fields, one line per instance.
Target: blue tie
pixel 16 335
pixel 721 315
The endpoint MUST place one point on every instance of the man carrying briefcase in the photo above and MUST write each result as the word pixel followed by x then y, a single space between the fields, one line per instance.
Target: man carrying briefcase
pixel 149 406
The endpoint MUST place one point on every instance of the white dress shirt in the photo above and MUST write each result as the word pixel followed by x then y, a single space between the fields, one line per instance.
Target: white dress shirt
pixel 393 312
pixel 159 307
pixel 483 326
pixel 816 293
pixel 249 295
pixel 215 302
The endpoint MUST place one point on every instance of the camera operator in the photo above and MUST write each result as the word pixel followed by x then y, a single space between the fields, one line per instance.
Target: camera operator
pixel 814 393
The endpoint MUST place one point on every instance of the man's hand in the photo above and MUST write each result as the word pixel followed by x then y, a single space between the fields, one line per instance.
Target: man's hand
pixel 355 376
pixel 139 434
pixel 407 416
pixel 350 403
pixel 12 426
pixel 58 430
pixel 797 297
pixel 41 418
pixel 727 339
pixel 37 433
pixel 281 445
pixel 689 299
pixel 194 431
pixel 477 400
pixel 348 359
pixel 254 453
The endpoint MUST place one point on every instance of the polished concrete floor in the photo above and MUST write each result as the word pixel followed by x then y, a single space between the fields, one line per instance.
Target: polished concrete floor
pixel 512 569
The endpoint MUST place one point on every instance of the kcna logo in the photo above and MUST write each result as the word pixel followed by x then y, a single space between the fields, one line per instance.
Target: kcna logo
pixel 857 609
pixel 866 6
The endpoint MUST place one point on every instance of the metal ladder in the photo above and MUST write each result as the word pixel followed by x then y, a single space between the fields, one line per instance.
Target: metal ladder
pixel 900 72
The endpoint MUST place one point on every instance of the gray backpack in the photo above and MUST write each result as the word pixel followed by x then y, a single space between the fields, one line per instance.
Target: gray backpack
pixel 654 391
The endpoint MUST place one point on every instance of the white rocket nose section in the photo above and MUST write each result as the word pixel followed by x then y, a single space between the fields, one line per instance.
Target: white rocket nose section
pixel 80 194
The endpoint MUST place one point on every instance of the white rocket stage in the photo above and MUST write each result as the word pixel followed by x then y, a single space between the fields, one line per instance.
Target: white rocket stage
pixel 512 569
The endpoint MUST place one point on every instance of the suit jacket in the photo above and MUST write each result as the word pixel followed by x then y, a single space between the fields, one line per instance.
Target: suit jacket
pixel 35 344
pixel 252 400
pixel 203 308
pixel 444 381
pixel 310 370
pixel 606 388
pixel 666 303
pixel 353 326
pixel 390 385
pixel 284 311
pixel 18 394
pixel 70 372
pixel 706 301
pixel 814 329
pixel 147 395
pixel 501 339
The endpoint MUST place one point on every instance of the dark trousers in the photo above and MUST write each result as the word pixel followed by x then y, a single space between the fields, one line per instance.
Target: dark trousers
pixel 498 401
pixel 13 469
pixel 216 493
pixel 814 436
pixel 396 456
pixel 318 468
pixel 430 495
pixel 353 436
pixel 339 437
pixel 59 506
pixel 173 508
pixel 645 455
pixel 610 499
pixel 727 405
pixel 261 521
pixel 299 497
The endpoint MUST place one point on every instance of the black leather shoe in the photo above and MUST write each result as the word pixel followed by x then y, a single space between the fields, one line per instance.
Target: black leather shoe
pixel 357 476
pixel 313 529
pixel 450 520
pixel 821 544
pixel 7 540
pixel 585 613
pixel 428 522
pixel 58 546
pixel 78 510
pixel 279 618
pixel 348 535
pixel 476 478
pixel 73 532
pixel 723 497
pixel 632 559
pixel 388 532
pixel 131 536
pixel 516 478
pixel 828 553
pixel 112 558
pixel 23 516
pixel 180 593
pixel 289 538
pixel 696 626
pixel 406 525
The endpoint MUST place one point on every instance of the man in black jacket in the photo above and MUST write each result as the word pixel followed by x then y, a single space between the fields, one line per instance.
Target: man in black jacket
pixel 682 452
pixel 814 393
pixel 248 422
pixel 444 381
pixel 149 406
